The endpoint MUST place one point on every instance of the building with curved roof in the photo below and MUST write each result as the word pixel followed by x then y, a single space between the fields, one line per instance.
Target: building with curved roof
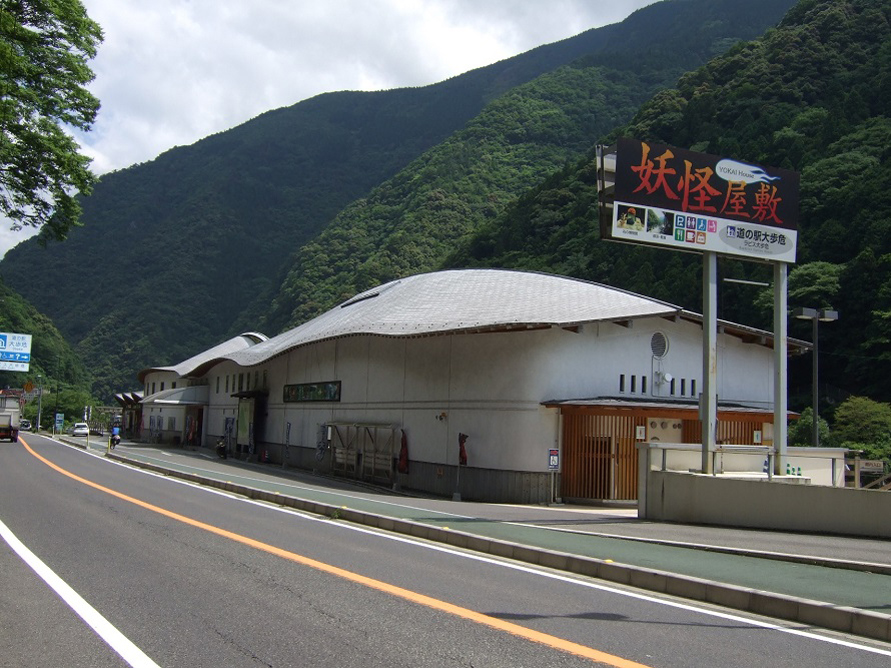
pixel 498 369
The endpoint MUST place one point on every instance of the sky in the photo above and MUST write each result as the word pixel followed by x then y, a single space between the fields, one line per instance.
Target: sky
pixel 171 72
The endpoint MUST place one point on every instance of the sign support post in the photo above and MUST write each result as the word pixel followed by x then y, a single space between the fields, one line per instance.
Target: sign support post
pixel 709 398
pixel 780 352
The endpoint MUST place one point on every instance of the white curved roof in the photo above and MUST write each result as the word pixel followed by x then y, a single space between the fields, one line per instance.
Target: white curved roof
pixel 462 300
pixel 189 366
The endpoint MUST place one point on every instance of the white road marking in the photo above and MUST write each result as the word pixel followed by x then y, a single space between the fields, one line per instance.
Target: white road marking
pixel 103 628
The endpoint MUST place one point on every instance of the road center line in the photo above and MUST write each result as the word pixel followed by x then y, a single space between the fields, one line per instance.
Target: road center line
pixel 406 594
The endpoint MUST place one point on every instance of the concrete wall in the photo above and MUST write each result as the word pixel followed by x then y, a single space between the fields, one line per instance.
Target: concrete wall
pixel 672 496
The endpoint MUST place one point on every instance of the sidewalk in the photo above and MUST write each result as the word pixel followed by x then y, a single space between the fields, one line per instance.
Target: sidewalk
pixel 831 582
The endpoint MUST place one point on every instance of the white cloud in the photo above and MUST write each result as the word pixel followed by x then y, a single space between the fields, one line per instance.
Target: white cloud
pixel 171 72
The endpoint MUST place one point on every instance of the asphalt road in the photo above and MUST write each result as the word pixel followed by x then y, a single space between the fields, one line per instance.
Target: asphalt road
pixel 177 575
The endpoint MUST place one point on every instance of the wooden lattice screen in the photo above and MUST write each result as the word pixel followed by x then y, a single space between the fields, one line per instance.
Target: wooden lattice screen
pixel 600 458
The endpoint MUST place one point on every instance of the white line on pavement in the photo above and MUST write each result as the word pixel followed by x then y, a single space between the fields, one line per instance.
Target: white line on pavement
pixel 103 628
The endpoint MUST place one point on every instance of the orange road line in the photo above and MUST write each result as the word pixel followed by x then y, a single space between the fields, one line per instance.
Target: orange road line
pixel 407 594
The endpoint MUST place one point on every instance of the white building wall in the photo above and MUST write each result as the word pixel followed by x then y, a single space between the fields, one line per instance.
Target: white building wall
pixel 490 386
pixel 220 402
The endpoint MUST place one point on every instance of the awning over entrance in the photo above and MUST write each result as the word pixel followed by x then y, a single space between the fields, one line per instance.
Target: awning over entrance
pixel 194 395
pixel 675 408
pixel 128 399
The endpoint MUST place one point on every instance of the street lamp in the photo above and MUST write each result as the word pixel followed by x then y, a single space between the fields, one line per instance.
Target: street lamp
pixel 815 316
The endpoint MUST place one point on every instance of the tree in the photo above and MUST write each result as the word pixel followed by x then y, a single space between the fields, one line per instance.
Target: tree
pixel 801 431
pixel 862 420
pixel 44 49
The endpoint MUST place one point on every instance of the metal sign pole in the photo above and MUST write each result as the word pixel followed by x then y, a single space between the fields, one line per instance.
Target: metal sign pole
pixel 780 351
pixel 709 399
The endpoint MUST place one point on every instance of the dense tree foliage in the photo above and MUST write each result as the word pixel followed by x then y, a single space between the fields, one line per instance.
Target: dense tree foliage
pixel 44 50
pixel 51 357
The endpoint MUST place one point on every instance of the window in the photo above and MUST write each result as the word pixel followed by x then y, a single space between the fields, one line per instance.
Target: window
pixel 218 384
pixel 643 384
pixel 633 384
pixel 171 423
pixel 240 382
pixel 621 382
pixel 683 386
pixel 153 387
pixel 173 385
pixel 227 384
pixel 693 390
pixel 672 386
pixel 162 386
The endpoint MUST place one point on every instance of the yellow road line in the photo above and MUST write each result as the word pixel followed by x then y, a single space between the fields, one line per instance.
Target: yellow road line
pixel 407 594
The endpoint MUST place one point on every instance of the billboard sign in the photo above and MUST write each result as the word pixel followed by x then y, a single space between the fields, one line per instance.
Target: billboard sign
pixel 15 351
pixel 697 202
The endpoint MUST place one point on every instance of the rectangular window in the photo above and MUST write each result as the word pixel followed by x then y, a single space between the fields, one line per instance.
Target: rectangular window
pixel 171 424
pixel 162 386
pixel 240 382
pixel 672 386
pixel 248 382
pixel 693 391
pixel 218 384
pixel 683 386
pixel 621 382
pixel 153 388
pixel 227 384
pixel 633 384
pixel 643 384
pixel 327 391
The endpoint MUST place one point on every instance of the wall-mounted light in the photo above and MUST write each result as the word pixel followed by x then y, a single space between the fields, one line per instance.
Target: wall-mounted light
pixel 442 416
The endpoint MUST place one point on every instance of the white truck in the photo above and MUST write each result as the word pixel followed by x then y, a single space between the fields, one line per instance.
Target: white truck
pixel 10 414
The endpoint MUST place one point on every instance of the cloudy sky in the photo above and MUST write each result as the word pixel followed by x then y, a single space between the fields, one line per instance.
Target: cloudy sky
pixel 170 72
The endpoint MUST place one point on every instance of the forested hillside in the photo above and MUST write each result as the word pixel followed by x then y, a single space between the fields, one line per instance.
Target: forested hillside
pixel 813 95
pixel 412 222
pixel 52 358
pixel 179 253
pixel 173 250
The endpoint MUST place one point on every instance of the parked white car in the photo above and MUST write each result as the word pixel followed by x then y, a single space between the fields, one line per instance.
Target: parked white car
pixel 80 429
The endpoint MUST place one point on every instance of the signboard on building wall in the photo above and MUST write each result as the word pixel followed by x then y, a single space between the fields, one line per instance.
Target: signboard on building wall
pixel 691 201
pixel 15 351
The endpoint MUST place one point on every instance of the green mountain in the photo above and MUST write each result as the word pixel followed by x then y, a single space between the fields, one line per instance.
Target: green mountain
pixel 812 95
pixel 412 222
pixel 52 358
pixel 277 219
pixel 173 250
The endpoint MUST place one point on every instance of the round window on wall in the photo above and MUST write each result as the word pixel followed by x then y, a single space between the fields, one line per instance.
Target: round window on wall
pixel 659 345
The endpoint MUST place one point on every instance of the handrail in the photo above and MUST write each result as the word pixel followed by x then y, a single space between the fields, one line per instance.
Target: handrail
pixel 885 481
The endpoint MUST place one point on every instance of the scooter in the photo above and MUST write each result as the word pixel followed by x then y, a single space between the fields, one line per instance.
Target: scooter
pixel 221 449
pixel 115 439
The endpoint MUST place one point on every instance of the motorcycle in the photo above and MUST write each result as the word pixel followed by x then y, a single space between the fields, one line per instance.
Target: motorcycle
pixel 221 449
pixel 115 440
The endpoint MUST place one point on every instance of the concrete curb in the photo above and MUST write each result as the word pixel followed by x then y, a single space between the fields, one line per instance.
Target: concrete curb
pixel 770 604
